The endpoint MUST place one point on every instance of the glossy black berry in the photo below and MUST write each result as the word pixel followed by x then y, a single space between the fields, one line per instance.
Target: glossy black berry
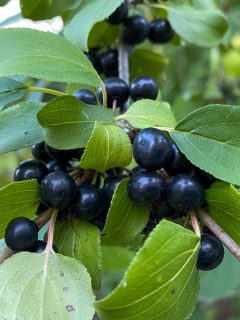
pixel 39 152
pixel 185 193
pixel 211 253
pixel 21 234
pixel 109 61
pixel 179 163
pixel 136 29
pixel 152 149
pixel 31 169
pixel 62 155
pixel 87 203
pixel 56 165
pixel 205 178
pixel 143 88
pixel 40 247
pixel 163 210
pixel 146 188
pixel 160 31
pixel 120 14
pixel 57 190
pixel 116 89
pixel 86 96
pixel 93 58
pixel 110 184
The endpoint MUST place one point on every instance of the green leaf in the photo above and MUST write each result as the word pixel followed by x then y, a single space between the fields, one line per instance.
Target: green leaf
pixel 44 9
pixel 224 206
pixel 148 113
pixel 19 127
pixel 116 258
pixel 209 137
pixel 202 27
pixel 77 31
pixel 103 34
pixel 81 240
pixel 215 285
pixel 40 288
pixel 3 2
pixel 10 91
pixel 125 219
pixel 108 147
pixel 69 123
pixel 160 279
pixel 18 199
pixel 45 56
pixel 144 62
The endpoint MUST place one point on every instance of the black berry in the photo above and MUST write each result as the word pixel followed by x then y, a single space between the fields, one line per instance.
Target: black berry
pixel 116 89
pixel 62 155
pixel 136 29
pixel 179 163
pixel 87 203
pixel 185 193
pixel 86 96
pixel 163 210
pixel 120 14
pixel 93 58
pixel 205 178
pixel 39 152
pixel 57 190
pixel 160 31
pixel 146 188
pixel 31 169
pixel 109 61
pixel 143 88
pixel 110 184
pixel 56 165
pixel 152 149
pixel 211 253
pixel 21 234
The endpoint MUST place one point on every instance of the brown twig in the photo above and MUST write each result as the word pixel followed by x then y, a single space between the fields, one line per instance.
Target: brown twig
pixel 228 242
pixel 43 219
pixel 123 62
pixel 195 223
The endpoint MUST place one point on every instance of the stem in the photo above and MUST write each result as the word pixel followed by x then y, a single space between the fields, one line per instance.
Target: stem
pixel 123 62
pixel 104 94
pixel 43 219
pixel 114 106
pixel 51 231
pixel 46 90
pixel 229 243
pixel 195 224
pixel 7 253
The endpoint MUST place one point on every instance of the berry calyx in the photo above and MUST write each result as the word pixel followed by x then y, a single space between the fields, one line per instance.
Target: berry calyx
pixel 185 193
pixel 120 14
pixel 152 149
pixel 136 29
pixel 146 188
pixel 117 90
pixel 31 169
pixel 160 31
pixel 57 190
pixel 39 152
pixel 86 96
pixel 87 203
pixel 143 88
pixel 211 253
pixel 109 61
pixel 21 234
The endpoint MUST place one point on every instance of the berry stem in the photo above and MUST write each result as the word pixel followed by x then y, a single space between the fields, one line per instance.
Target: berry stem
pixel 51 231
pixel 229 243
pixel 104 94
pixel 46 90
pixel 123 62
pixel 114 106
pixel 43 219
pixel 195 224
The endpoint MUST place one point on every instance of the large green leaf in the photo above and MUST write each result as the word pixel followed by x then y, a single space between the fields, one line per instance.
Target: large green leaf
pixel 202 27
pixel 93 11
pixel 10 91
pixel 108 147
pixel 160 280
pixel 224 206
pixel 146 113
pixel 34 287
pixel 125 219
pixel 18 199
pixel 19 127
pixel 3 2
pixel 215 285
pixel 44 55
pixel 116 258
pixel 103 34
pixel 81 240
pixel 69 123
pixel 210 138
pixel 45 9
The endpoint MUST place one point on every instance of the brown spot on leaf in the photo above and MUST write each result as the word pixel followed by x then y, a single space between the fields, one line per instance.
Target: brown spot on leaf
pixel 26 132
pixel 65 289
pixel 61 274
pixel 70 308
pixel 173 291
